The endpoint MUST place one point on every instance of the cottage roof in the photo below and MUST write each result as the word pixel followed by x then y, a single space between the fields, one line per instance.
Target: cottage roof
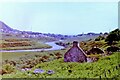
pixel 75 54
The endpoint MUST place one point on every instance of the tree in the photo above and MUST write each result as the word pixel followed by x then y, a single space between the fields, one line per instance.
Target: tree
pixel 113 36
pixel 99 38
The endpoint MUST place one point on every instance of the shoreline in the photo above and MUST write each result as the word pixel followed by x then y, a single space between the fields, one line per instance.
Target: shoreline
pixel 53 45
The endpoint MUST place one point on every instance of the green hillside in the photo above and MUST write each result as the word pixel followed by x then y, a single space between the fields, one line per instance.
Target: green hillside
pixel 106 67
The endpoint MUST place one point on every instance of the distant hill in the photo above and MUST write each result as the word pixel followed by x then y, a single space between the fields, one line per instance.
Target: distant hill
pixel 10 32
pixel 4 27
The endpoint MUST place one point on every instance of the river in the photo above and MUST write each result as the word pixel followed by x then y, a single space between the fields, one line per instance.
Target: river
pixel 54 47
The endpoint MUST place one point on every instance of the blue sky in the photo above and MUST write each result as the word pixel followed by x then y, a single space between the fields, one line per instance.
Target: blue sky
pixel 61 17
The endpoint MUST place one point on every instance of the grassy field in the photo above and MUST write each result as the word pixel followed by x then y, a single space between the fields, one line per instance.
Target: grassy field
pixel 106 67
pixel 30 56
pixel 18 55
pixel 17 44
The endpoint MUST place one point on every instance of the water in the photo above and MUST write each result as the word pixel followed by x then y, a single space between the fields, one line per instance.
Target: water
pixel 54 47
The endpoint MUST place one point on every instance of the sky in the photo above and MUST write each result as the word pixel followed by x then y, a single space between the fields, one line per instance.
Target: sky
pixel 60 17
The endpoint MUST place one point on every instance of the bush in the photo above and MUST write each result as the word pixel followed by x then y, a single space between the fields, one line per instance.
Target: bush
pixel 8 68
pixel 113 49
pixel 99 38
pixel 90 44
pixel 113 36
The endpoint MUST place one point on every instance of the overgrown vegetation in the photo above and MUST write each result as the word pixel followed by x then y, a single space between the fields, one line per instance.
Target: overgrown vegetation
pixel 30 59
pixel 100 38
pixel 106 67
pixel 87 45
pixel 113 36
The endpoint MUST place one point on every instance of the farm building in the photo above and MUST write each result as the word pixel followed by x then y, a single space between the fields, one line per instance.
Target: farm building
pixel 75 54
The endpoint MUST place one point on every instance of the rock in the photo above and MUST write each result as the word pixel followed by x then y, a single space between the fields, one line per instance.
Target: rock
pixel 50 72
pixel 92 59
pixel 89 60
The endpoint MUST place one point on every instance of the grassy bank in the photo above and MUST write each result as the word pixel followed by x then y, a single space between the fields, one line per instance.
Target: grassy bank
pixel 20 58
pixel 27 55
pixel 106 67
pixel 19 44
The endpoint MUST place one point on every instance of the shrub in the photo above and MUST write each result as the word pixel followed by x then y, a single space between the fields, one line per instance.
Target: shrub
pixel 90 44
pixel 99 38
pixel 2 72
pixel 112 49
pixel 113 36
pixel 94 51
pixel 8 68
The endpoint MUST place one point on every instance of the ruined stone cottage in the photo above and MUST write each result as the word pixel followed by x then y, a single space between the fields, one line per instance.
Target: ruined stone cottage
pixel 75 54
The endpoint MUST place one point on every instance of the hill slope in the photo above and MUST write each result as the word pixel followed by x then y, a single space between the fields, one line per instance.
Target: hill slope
pixel 106 67
pixel 4 27
pixel 7 32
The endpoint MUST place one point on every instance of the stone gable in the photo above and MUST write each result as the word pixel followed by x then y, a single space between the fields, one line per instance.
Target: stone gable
pixel 75 54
